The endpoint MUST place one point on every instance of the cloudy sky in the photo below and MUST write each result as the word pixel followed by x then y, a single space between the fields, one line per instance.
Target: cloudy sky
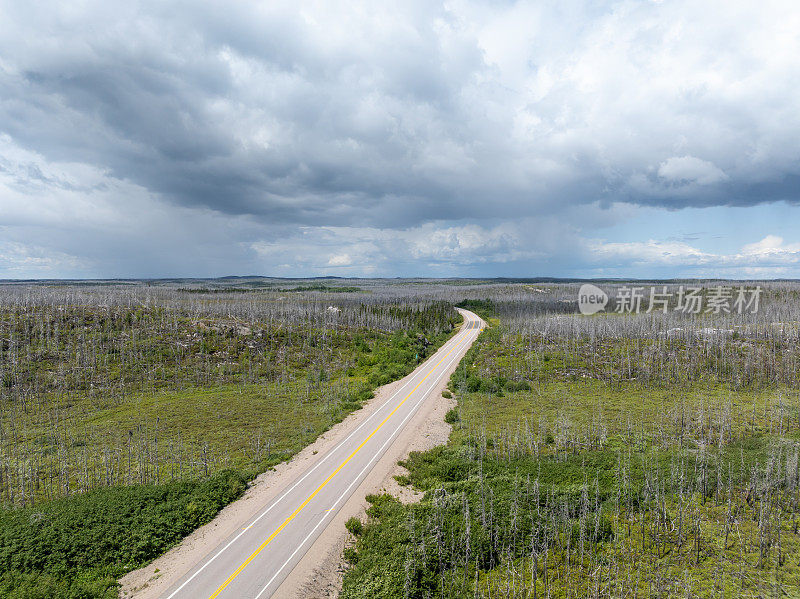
pixel 564 138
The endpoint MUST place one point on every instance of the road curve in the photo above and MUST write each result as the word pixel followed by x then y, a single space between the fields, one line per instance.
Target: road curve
pixel 252 563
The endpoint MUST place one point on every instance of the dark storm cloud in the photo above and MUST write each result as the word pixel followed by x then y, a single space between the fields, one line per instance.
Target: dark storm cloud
pixel 383 117
pixel 169 120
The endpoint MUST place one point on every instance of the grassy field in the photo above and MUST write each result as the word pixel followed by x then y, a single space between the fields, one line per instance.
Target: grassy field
pixel 600 457
pixel 129 417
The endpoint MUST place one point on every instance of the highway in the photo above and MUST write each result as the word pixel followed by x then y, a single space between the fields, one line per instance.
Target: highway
pixel 252 562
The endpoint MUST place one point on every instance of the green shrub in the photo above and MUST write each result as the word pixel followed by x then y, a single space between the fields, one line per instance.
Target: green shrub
pixel 78 546
pixel 354 526
pixel 452 416
pixel 402 480
pixel 350 555
pixel 485 308
pixel 517 386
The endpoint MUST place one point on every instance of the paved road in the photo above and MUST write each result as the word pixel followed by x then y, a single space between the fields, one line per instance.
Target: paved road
pixel 254 561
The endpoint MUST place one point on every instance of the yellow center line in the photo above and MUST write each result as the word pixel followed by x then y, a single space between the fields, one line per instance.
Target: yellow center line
pixel 334 473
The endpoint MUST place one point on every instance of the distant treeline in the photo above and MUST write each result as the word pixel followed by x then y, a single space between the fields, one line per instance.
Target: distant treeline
pixel 264 289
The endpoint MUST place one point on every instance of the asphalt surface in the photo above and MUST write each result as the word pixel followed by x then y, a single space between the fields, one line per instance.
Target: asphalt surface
pixel 253 562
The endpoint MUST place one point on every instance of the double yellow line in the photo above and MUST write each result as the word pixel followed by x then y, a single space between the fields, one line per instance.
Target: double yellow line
pixel 334 473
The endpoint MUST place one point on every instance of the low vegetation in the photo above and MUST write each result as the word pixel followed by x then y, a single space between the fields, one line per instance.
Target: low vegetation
pixel 129 415
pixel 79 546
pixel 616 455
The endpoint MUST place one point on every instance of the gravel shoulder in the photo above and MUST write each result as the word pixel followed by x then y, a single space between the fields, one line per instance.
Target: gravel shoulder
pixel 319 573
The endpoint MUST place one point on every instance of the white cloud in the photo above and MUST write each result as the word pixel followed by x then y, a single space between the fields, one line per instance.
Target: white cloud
pixel 770 244
pixel 772 249
pixel 340 260
pixel 392 251
pixel 652 252
pixel 769 257
pixel 21 261
pixel 688 169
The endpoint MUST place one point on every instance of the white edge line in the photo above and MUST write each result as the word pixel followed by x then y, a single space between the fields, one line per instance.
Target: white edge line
pixel 277 500
pixel 358 479
pixel 274 502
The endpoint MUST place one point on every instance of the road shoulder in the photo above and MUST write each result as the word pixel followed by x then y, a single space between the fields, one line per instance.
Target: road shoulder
pixel 319 573
pixel 151 581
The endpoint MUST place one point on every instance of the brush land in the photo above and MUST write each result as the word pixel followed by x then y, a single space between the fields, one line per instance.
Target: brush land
pixel 131 414
pixel 614 455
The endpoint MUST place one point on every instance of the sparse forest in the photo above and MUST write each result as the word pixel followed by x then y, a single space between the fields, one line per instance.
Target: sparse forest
pixel 613 455
pixel 131 413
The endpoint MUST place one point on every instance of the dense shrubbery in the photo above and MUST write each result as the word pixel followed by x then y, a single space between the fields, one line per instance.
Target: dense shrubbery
pixel 485 308
pixel 477 514
pixel 399 356
pixel 78 546
pixel 496 384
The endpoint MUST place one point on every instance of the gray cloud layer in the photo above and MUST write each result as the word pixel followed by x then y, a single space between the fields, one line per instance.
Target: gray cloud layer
pixel 248 121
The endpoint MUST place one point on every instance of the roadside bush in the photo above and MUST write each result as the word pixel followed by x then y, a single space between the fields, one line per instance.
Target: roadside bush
pixel 78 546
pixel 485 308
pixel 354 526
